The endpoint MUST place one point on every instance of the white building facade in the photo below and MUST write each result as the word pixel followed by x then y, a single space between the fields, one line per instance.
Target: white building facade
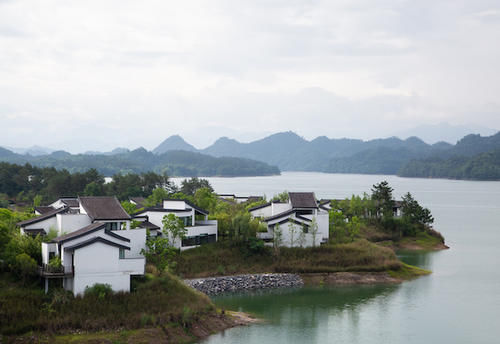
pixel 200 230
pixel 95 244
pixel 301 221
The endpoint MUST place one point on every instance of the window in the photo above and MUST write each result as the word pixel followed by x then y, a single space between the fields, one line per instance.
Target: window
pixel 122 253
pixel 199 240
pixel 188 220
pixel 111 226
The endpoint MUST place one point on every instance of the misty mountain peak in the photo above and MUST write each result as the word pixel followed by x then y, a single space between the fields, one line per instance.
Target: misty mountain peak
pixel 174 142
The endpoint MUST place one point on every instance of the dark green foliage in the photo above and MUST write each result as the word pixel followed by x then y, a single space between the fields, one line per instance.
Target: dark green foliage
pixel 382 195
pixel 483 166
pixel 25 183
pixel 25 266
pixel 190 186
pixel 99 291
pixel 414 213
pixel 175 163
pixel 255 246
pixel 160 253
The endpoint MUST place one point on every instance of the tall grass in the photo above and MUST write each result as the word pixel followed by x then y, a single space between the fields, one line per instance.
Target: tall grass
pixel 219 259
pixel 158 301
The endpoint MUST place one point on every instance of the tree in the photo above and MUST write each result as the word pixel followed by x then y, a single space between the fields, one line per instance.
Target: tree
pixel 190 186
pixel 337 225
pixel 382 194
pixel 93 189
pixel 278 238
pixel 37 201
pixel 314 230
pixel 156 197
pixel 129 207
pixel 25 266
pixel 353 227
pixel 292 230
pixel 281 197
pixel 205 199
pixel 159 253
pixel 174 228
pixel 414 213
pixel 302 236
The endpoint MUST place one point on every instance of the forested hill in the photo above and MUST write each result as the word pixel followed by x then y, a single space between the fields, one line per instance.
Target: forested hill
pixel 173 163
pixel 410 157
pixel 483 166
pixel 291 152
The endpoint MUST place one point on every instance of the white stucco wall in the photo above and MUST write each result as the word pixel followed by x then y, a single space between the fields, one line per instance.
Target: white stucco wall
pixel 280 208
pixel 67 223
pixel 156 217
pixel 286 237
pixel 44 224
pixel 174 205
pixel 262 212
pixel 99 263
pixel 137 241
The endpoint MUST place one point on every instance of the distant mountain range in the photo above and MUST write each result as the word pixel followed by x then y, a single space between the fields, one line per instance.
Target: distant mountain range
pixel 174 163
pixel 288 151
pixel 432 133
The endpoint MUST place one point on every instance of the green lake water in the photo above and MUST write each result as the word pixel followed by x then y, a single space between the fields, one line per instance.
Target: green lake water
pixel 458 303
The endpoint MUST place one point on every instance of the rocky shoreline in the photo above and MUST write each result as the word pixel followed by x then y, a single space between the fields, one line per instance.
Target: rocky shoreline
pixel 218 285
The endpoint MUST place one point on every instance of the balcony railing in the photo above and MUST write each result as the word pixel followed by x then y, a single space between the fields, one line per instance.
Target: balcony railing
pixel 47 270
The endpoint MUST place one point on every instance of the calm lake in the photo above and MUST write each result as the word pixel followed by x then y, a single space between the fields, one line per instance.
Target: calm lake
pixel 458 303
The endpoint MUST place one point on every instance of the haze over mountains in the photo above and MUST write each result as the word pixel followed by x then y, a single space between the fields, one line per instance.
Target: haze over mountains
pixel 392 155
pixel 291 152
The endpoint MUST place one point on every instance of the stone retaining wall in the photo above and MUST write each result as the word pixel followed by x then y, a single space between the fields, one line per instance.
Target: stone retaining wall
pixel 225 284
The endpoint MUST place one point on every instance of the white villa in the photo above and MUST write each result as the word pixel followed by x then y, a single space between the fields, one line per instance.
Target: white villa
pixel 94 242
pixel 295 215
pixel 200 230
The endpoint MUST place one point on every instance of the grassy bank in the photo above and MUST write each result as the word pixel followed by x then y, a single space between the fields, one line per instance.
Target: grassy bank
pixel 162 304
pixel 424 240
pixel 219 259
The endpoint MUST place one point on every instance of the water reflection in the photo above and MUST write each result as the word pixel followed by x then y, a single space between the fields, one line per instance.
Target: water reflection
pixel 302 315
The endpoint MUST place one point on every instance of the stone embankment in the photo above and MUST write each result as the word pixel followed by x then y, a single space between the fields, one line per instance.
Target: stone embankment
pixel 226 284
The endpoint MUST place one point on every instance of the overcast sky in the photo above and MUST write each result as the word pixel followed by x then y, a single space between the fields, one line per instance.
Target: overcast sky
pixel 94 75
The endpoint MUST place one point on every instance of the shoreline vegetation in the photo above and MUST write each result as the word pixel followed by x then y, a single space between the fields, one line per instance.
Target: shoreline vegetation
pixel 364 234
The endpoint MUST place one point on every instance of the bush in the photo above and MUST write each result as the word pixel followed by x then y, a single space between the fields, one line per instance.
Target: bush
pixel 255 246
pixel 99 290
pixel 25 266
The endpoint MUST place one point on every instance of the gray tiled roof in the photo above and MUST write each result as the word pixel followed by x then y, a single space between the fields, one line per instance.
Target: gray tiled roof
pixel 103 208
pixel 303 199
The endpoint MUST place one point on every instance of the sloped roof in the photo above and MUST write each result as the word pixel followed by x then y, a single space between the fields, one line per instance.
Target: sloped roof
pixel 260 206
pixel 148 225
pixel 138 200
pixel 160 209
pixel 280 215
pixel 303 199
pixel 103 208
pixel 82 231
pixel 95 240
pixel 44 209
pixel 42 217
pixel 71 202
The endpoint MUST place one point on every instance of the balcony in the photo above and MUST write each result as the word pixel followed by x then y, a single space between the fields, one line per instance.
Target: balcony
pixel 49 271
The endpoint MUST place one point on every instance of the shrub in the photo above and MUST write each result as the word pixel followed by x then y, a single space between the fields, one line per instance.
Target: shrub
pixel 99 290
pixel 25 266
pixel 255 246
pixel 55 263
